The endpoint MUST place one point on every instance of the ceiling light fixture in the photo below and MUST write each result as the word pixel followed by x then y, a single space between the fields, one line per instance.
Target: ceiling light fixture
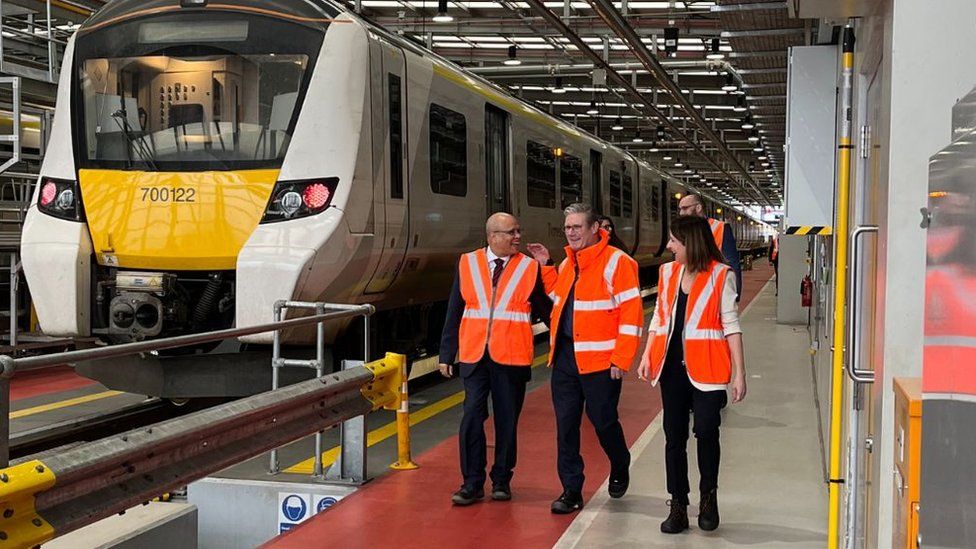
pixel 559 86
pixel 637 137
pixel 513 59
pixel 714 52
pixel 442 15
pixel 730 85
pixel 592 109
pixel 747 123
pixel 617 125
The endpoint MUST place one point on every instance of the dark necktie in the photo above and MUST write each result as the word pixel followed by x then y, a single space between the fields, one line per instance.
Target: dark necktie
pixel 499 267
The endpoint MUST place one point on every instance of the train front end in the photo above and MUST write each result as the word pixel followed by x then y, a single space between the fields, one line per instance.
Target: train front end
pixel 170 147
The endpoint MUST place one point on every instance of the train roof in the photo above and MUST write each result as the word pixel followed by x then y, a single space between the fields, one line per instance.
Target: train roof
pixel 313 13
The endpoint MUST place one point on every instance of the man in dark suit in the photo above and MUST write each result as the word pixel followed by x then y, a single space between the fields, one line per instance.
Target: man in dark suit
pixel 496 295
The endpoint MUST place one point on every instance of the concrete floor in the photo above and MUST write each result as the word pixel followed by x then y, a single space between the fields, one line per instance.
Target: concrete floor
pixel 771 487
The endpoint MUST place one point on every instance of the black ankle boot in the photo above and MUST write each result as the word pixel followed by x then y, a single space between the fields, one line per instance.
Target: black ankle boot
pixel 677 521
pixel 708 510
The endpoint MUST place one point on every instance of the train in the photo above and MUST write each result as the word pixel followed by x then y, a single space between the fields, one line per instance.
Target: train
pixel 207 160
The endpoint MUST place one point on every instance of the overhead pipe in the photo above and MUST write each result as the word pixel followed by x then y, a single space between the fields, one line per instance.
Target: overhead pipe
pixel 554 68
pixel 557 23
pixel 613 19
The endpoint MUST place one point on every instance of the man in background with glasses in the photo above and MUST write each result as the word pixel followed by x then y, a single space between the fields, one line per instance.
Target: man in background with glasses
pixel 496 294
pixel 597 318
pixel 722 233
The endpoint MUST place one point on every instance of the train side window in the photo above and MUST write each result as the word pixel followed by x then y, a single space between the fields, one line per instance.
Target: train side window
pixel 540 175
pixel 614 193
pixel 570 180
pixel 448 151
pixel 655 203
pixel 396 138
pixel 627 200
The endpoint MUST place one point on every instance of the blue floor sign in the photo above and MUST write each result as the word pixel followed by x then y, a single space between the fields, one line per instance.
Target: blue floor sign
pixel 295 508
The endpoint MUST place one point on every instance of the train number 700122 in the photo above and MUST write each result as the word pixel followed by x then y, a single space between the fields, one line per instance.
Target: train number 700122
pixel 168 194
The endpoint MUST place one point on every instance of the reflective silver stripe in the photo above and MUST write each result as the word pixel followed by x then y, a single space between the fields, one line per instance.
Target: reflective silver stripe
pixel 596 305
pixel 582 346
pixel 514 317
pixel 691 327
pixel 630 329
pixel 553 296
pixel 610 269
pixel 556 300
pixel 627 295
pixel 523 265
pixel 477 313
pixel 950 341
pixel 479 283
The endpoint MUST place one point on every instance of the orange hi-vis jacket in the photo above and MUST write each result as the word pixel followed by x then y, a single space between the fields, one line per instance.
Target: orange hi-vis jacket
pixel 718 231
pixel 706 352
pixel 949 347
pixel 608 315
pixel 775 253
pixel 498 319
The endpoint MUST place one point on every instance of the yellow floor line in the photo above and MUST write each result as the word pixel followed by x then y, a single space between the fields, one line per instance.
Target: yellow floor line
pixel 63 404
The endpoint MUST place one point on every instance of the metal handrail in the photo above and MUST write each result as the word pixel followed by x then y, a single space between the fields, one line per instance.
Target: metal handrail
pixel 10 364
pixel 856 374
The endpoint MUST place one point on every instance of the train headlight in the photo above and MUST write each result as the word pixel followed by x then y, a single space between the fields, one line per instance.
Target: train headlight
pixel 60 198
pixel 290 203
pixel 294 199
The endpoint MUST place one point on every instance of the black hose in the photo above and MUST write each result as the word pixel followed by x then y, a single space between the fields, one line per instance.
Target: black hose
pixel 208 299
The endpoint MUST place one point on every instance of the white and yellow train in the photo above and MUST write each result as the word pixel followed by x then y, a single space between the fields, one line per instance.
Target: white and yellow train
pixel 207 161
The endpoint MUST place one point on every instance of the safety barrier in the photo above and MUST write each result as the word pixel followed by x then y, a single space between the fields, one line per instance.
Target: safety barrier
pixel 61 492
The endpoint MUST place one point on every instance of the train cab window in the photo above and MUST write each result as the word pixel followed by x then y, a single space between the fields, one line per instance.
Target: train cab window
pixel 570 180
pixel 655 206
pixel 614 193
pixel 627 198
pixel 540 175
pixel 396 138
pixel 448 151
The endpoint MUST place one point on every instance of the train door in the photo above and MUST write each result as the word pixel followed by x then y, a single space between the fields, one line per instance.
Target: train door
pixel 391 198
pixel 496 160
pixel 596 180
pixel 866 424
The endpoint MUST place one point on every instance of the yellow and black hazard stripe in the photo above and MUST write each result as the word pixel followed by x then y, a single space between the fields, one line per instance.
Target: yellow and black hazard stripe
pixel 808 229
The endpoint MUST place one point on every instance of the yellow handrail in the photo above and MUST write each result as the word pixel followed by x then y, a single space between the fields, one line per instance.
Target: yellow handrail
pixel 844 149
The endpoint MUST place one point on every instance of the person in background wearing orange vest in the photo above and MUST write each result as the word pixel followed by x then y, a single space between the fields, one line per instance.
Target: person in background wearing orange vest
pixel 774 258
pixel 694 348
pixel 594 333
pixel 722 233
pixel 496 293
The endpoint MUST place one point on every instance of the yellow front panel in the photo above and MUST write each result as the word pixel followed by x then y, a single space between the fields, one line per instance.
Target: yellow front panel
pixel 183 221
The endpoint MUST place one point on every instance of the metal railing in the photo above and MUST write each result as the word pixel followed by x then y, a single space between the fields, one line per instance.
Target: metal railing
pixel 32 41
pixel 63 491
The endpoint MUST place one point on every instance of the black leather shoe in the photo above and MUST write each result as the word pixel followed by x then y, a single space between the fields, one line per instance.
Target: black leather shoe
pixel 677 521
pixel 501 492
pixel 618 484
pixel 568 502
pixel 708 511
pixel 467 495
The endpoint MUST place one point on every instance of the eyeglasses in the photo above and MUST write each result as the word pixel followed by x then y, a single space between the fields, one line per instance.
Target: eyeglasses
pixel 688 208
pixel 512 232
pixel 574 228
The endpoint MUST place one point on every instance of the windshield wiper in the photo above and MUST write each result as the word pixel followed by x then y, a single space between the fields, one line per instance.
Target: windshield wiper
pixel 139 144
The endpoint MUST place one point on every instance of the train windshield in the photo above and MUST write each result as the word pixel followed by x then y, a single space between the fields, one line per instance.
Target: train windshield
pixel 187 95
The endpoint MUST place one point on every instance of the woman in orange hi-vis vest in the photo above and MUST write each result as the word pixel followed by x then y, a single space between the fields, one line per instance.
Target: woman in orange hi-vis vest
pixel 694 348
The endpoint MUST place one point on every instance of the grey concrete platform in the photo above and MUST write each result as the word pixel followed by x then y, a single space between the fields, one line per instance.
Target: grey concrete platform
pixel 771 486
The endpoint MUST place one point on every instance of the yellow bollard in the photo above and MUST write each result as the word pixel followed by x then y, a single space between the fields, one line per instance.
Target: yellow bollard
pixel 403 462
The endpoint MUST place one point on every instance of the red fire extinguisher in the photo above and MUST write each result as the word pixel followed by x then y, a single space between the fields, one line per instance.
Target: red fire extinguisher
pixel 806 291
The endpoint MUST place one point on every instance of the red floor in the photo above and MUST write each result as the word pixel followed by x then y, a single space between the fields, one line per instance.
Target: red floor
pixel 413 508
pixel 45 381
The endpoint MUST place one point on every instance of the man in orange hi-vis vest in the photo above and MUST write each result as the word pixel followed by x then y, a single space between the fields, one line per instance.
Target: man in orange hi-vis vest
pixel 496 294
pixel 596 324
pixel 722 233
